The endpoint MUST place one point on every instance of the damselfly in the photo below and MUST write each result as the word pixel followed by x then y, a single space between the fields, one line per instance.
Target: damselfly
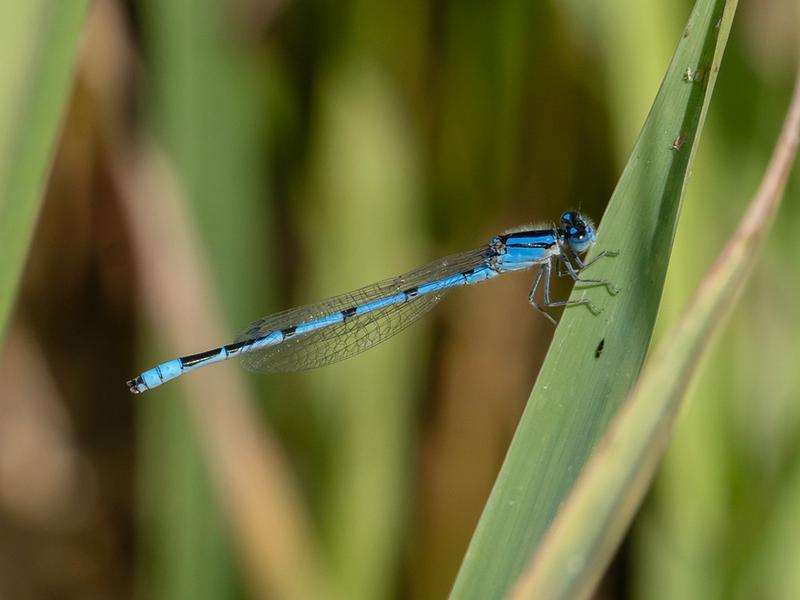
pixel 343 326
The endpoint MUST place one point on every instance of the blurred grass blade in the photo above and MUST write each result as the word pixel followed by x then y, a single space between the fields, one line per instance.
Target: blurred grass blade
pixel 578 389
pixel 246 466
pixel 610 490
pixel 365 491
pixel 38 40
pixel 208 107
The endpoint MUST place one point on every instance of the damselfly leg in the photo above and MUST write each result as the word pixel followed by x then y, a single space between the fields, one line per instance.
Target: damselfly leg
pixel 563 260
pixel 574 273
pixel 545 273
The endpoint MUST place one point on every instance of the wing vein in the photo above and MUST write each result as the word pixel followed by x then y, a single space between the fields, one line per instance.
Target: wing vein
pixel 357 333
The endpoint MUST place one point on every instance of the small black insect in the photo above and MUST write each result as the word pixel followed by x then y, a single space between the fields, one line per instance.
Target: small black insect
pixel 599 350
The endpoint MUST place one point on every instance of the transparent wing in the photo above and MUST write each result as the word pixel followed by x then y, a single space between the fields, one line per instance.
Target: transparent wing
pixel 357 333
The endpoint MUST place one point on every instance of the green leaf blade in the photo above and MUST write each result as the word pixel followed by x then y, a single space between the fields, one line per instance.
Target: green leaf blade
pixel 611 487
pixel 38 41
pixel 578 392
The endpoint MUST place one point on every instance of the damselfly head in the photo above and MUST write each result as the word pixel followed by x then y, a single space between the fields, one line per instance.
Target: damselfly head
pixel 578 231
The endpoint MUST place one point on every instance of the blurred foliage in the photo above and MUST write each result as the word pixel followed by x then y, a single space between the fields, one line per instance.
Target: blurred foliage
pixel 322 146
pixel 37 46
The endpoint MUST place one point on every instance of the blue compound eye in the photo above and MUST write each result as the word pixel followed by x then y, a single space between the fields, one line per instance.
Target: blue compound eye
pixel 573 224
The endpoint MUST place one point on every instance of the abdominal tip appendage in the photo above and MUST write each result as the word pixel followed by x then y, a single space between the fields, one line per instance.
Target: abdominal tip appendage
pixel 136 386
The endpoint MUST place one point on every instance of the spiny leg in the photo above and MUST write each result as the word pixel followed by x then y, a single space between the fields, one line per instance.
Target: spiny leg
pixel 546 271
pixel 582 265
pixel 574 273
pixel 532 294
pixel 547 302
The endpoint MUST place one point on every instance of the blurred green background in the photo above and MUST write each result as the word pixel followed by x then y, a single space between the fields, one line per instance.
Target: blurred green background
pixel 318 147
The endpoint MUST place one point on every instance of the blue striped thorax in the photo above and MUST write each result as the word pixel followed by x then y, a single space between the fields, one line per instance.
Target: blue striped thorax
pixel 519 250
pixel 523 249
